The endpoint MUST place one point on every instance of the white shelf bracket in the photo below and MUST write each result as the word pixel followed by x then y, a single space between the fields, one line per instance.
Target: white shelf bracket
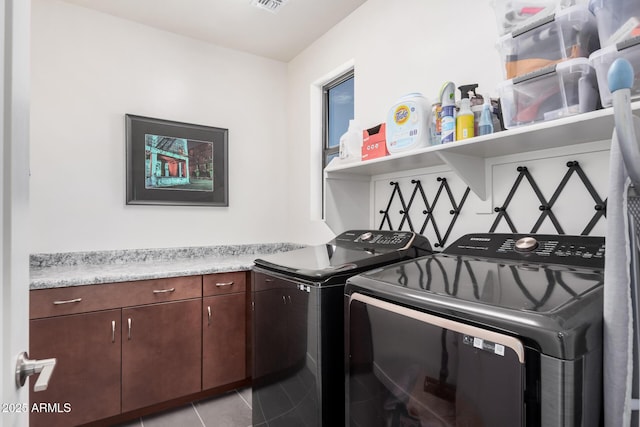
pixel 470 169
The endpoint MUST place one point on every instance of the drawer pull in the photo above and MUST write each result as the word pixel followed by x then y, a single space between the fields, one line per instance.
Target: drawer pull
pixel 221 284
pixel 113 331
pixel 129 324
pixel 163 291
pixel 209 315
pixel 70 301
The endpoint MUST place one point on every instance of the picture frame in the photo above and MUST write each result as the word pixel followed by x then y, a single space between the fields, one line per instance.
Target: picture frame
pixel 175 164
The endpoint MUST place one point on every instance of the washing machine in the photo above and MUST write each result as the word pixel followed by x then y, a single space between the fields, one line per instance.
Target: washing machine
pixel 498 330
pixel 298 324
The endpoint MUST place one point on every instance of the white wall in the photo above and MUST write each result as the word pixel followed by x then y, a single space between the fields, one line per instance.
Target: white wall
pixel 403 46
pixel 88 70
pixel 396 47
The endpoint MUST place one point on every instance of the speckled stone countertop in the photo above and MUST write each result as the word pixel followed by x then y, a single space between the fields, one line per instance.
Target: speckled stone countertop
pixel 58 270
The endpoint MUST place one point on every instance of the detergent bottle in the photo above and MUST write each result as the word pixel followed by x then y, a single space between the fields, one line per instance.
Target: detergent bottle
pixel 408 123
pixel 351 143
pixel 485 125
pixel 464 121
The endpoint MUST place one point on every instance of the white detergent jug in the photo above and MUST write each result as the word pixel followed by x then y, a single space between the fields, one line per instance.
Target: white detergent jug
pixel 408 123
pixel 351 143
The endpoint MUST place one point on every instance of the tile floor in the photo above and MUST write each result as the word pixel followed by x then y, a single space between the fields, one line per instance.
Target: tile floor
pixel 232 409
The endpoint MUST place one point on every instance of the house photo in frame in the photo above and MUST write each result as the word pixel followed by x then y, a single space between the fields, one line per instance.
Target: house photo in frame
pixel 173 163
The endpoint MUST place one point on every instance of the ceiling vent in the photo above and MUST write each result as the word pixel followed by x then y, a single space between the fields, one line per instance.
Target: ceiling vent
pixel 271 5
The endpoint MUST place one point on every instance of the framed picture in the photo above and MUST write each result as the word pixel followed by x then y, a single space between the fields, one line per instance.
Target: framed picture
pixel 173 163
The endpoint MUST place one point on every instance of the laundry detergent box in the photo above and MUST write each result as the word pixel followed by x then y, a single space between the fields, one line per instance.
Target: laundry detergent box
pixel 374 144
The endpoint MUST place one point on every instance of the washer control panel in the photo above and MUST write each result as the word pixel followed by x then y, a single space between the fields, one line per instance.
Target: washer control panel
pixel 580 251
pixel 378 239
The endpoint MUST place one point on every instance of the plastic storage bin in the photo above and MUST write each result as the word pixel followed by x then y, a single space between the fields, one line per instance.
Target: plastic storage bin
pixel 511 14
pixel 602 59
pixel 567 34
pixel 560 90
pixel 618 20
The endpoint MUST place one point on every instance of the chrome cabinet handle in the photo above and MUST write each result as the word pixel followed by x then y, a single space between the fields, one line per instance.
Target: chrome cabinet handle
pixel 70 301
pixel 163 291
pixel 209 315
pixel 129 332
pixel 284 299
pixel 26 367
pixel 221 284
pixel 289 298
pixel 113 331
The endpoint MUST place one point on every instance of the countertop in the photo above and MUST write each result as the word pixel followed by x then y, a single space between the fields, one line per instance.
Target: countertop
pixel 56 270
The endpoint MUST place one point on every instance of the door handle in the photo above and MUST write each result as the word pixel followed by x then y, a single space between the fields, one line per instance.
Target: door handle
pixel 26 367
pixel 129 328
pixel 208 315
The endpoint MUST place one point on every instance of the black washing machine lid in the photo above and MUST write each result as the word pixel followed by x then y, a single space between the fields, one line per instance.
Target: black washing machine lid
pixel 557 306
pixel 349 253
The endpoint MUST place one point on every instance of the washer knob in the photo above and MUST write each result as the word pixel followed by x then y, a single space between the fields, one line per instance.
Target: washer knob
pixel 526 244
pixel 366 236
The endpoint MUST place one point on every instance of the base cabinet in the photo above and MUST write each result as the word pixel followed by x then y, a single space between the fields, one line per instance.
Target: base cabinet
pixel 224 329
pixel 223 340
pixel 85 385
pixel 124 347
pixel 161 353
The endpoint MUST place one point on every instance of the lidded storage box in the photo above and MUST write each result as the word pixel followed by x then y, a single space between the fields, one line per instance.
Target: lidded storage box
pixel 602 59
pixel 569 33
pixel 560 90
pixel 511 14
pixel 618 20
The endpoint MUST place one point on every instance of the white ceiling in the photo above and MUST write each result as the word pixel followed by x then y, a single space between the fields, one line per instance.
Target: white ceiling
pixel 236 24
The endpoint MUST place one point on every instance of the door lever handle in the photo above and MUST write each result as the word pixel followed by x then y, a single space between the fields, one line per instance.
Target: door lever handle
pixel 26 367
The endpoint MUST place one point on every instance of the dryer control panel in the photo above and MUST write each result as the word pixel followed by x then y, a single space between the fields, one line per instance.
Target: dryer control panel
pixel 381 240
pixel 579 251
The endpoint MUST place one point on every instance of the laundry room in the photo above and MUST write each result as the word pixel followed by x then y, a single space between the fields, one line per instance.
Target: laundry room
pixel 320 213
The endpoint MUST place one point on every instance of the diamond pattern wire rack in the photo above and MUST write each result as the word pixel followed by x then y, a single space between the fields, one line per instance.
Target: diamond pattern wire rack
pixel 428 211
pixel 546 207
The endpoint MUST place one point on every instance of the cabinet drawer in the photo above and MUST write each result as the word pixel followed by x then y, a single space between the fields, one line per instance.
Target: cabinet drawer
pixel 82 299
pixel 224 283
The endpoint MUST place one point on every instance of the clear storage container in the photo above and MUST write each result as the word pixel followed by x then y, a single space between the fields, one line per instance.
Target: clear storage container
pixel 511 14
pixel 618 20
pixel 569 33
pixel 602 59
pixel 560 90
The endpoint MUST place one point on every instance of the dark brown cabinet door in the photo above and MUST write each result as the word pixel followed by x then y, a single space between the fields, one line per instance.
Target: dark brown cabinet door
pixel 224 344
pixel 85 385
pixel 161 352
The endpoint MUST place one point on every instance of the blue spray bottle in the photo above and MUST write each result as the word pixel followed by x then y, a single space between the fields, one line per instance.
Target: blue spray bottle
pixel 448 122
pixel 485 125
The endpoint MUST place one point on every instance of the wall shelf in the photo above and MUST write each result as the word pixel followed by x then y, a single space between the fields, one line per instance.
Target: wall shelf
pixel 467 158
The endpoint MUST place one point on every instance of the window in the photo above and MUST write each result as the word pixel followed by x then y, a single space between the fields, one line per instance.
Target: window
pixel 337 111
